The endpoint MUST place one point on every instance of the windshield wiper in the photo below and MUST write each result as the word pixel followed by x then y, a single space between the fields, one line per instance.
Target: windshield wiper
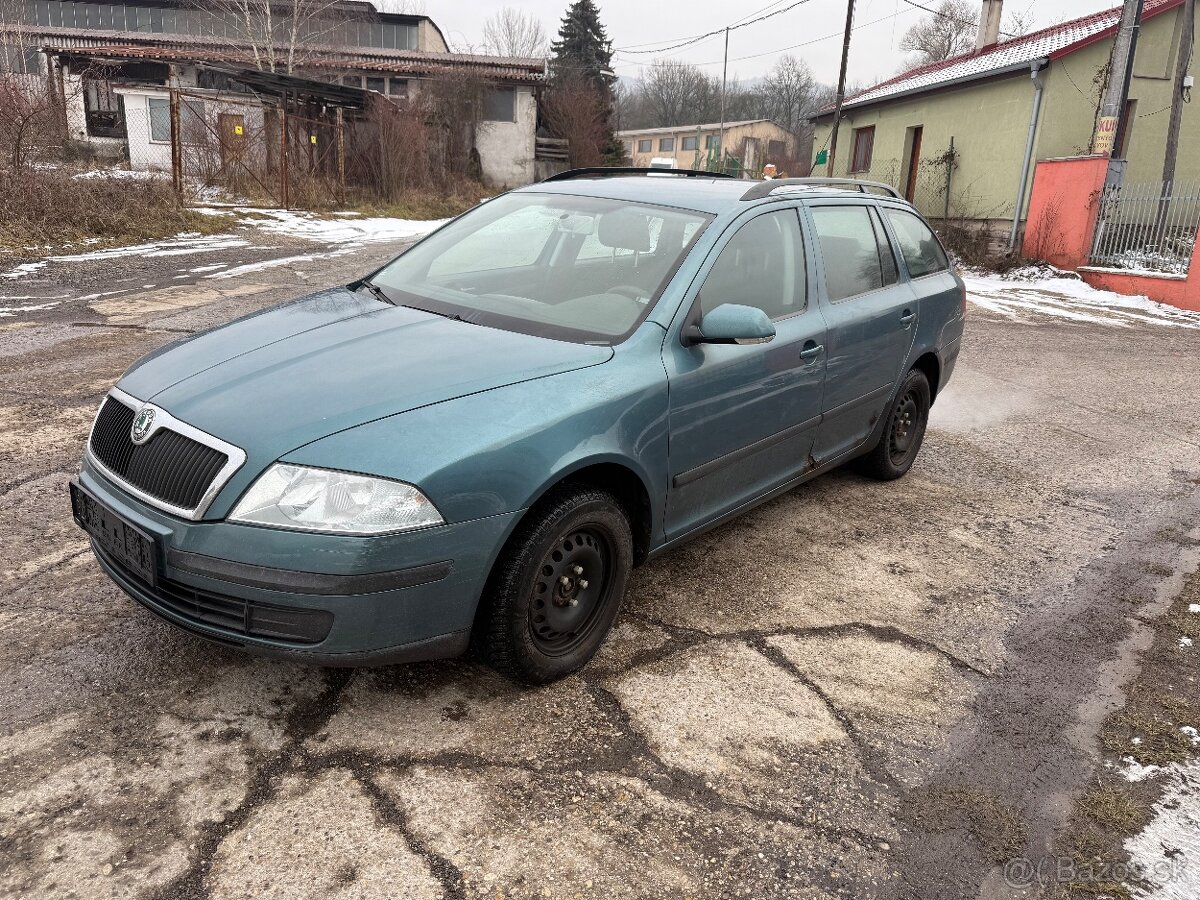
pixel 376 291
pixel 454 317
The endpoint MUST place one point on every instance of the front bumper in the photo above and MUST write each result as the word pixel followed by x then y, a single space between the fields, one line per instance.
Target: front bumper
pixel 326 599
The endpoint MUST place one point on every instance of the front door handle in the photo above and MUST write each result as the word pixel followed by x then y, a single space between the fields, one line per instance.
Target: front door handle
pixel 907 317
pixel 811 351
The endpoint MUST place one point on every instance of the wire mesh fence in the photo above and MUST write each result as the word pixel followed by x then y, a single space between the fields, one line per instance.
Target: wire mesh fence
pixel 1147 226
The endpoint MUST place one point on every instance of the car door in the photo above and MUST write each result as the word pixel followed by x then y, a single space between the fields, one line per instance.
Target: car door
pixel 871 318
pixel 743 417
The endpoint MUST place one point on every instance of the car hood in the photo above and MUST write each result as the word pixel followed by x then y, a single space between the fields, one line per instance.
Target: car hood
pixel 277 380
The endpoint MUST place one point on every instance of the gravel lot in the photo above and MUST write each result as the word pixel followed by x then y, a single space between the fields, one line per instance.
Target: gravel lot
pixel 858 690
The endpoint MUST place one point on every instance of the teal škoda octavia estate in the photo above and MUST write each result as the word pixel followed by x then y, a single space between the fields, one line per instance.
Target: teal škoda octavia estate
pixel 476 444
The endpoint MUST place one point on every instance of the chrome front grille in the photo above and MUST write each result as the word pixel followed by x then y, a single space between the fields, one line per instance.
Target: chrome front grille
pixel 177 468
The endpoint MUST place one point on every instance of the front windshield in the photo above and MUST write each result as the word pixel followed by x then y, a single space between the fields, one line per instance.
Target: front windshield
pixel 573 268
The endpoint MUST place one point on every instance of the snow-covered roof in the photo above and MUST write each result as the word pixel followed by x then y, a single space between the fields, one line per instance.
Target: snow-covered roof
pixel 1017 53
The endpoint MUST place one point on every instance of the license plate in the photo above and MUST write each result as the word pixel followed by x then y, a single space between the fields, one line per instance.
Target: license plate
pixel 124 541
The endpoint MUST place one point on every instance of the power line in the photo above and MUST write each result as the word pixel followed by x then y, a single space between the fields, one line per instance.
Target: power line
pixel 696 39
pixel 951 18
pixel 824 37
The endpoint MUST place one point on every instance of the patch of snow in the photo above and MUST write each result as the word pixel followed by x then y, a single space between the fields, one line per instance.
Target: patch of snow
pixel 183 244
pixel 341 230
pixel 23 269
pixel 1194 608
pixel 247 268
pixel 1185 641
pixel 1135 741
pixel 1071 299
pixel 1132 770
pixel 124 174
pixel 211 268
pixel 1191 734
pixel 6 311
pixel 1166 854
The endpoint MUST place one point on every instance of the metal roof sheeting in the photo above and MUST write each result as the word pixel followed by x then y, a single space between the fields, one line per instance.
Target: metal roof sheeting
pixel 1018 53
pixel 185 49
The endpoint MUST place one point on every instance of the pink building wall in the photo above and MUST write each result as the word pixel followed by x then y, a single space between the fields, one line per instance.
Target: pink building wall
pixel 1062 222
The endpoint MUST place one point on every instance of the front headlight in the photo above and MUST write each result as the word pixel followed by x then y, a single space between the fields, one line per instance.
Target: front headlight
pixel 289 496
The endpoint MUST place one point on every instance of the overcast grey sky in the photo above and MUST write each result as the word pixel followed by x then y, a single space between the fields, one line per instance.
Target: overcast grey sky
pixel 874 49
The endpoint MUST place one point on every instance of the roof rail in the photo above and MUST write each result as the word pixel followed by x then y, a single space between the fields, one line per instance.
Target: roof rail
pixel 614 171
pixel 766 188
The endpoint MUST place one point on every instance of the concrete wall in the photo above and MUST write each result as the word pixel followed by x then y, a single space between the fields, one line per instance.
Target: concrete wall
pixel 506 148
pixel 1182 291
pixel 1062 220
pixel 430 39
pixel 1062 210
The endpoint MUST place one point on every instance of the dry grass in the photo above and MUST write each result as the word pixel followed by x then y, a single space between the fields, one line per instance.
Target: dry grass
pixel 44 208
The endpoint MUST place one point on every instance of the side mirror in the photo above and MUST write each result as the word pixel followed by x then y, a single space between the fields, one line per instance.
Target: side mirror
pixel 731 323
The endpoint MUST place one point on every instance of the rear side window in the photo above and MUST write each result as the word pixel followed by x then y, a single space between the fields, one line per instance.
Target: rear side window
pixel 921 251
pixel 849 250
pixel 761 266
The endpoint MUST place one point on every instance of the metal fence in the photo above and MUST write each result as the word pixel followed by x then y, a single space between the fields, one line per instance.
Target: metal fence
pixel 1148 226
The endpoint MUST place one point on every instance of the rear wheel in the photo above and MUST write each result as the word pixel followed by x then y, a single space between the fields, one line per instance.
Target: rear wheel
pixel 903 432
pixel 557 587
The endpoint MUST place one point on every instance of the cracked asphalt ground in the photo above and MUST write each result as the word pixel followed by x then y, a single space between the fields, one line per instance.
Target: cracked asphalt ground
pixel 858 690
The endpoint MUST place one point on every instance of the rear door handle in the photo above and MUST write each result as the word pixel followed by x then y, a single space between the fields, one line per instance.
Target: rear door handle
pixel 811 351
pixel 907 317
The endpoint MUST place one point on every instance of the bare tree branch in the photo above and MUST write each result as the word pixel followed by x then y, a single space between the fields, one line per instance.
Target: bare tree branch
pixel 948 33
pixel 511 32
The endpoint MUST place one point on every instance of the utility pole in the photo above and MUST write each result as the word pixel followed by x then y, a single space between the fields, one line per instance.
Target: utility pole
pixel 1107 138
pixel 721 132
pixel 841 88
pixel 1187 31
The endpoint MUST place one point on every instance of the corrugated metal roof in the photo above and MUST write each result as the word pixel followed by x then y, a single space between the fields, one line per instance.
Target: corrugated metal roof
pixel 679 129
pixel 184 49
pixel 1049 43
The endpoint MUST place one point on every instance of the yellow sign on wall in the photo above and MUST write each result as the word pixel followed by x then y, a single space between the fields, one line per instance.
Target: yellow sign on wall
pixel 238 129
pixel 1106 133
pixel 312 138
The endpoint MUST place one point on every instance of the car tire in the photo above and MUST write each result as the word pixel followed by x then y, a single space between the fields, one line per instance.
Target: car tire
pixel 903 431
pixel 557 586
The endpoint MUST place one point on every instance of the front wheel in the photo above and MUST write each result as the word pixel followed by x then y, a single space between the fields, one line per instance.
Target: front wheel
pixel 557 586
pixel 903 431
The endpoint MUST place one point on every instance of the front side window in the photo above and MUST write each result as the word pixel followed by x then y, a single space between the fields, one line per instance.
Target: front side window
pixel 690 143
pixel 761 266
pixel 644 146
pixel 666 145
pixel 864 146
pixel 712 142
pixel 849 250
pixel 572 268
pixel 922 252
pixel 377 84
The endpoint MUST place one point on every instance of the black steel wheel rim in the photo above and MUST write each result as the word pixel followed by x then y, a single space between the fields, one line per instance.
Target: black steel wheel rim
pixel 570 590
pixel 905 426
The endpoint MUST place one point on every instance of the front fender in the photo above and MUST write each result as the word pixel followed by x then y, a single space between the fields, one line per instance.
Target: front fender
pixel 497 451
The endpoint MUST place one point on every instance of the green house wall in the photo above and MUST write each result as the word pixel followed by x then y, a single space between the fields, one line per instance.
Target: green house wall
pixel 989 122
